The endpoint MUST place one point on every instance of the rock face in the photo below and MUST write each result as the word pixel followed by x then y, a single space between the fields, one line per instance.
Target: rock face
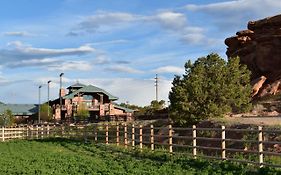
pixel 259 47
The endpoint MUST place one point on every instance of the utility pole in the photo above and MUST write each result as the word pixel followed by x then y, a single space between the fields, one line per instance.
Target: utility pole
pixel 156 86
pixel 60 95
pixel 49 98
pixel 39 104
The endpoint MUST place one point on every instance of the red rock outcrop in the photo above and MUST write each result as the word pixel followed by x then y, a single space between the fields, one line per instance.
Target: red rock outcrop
pixel 259 47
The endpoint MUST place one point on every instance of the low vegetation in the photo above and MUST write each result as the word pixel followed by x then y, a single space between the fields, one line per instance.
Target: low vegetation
pixel 61 156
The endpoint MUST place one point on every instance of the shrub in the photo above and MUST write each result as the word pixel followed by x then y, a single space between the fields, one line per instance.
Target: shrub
pixel 209 88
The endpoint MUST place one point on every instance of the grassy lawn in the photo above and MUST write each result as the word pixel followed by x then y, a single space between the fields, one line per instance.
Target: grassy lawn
pixel 60 156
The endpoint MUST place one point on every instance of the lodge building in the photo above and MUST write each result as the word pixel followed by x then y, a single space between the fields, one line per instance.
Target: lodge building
pixel 97 101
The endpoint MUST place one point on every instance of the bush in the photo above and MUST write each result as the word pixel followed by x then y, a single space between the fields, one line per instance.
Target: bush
pixel 44 112
pixel 209 88
pixel 7 118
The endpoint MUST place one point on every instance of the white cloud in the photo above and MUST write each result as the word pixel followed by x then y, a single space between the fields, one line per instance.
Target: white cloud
pixel 106 19
pixel 18 34
pixel 169 69
pixel 171 20
pixel 230 14
pixel 71 65
pixel 18 54
pixel 123 69
pixel 174 22
pixel 120 41
pixel 45 52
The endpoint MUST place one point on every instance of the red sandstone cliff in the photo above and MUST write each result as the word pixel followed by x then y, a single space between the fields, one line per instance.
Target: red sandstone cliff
pixel 259 47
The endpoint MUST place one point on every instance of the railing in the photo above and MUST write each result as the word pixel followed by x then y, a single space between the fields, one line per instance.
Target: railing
pixel 260 145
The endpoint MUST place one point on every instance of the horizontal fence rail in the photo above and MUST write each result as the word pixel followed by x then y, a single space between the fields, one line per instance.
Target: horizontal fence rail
pixel 253 146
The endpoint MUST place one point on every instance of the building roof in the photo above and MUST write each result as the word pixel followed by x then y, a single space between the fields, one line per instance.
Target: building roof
pixel 90 89
pixel 76 85
pixel 19 109
pixel 124 109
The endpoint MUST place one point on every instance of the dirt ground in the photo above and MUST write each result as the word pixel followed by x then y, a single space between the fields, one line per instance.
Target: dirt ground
pixel 255 120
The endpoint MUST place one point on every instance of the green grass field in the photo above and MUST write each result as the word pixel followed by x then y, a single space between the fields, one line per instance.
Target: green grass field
pixel 60 156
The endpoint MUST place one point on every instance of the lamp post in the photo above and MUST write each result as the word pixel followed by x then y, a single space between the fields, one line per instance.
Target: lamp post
pixel 60 94
pixel 49 98
pixel 39 113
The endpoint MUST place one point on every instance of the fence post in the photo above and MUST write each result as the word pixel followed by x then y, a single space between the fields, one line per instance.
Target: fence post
pixel 27 132
pixel 194 150
pixel 152 137
pixel 106 133
pixel 170 139
pixel 133 136
pixel 48 130
pixel 95 133
pixel 86 133
pixel 31 132
pixel 117 134
pixel 260 147
pixel 141 137
pixel 3 134
pixel 37 131
pixel 125 135
pixel 223 142
pixel 42 131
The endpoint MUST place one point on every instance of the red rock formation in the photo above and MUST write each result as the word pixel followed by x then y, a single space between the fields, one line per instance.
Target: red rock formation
pixel 259 47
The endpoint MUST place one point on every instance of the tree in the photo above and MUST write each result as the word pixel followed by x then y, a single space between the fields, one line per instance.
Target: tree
pixel 7 118
pixel 154 107
pixel 209 88
pixel 82 112
pixel 44 112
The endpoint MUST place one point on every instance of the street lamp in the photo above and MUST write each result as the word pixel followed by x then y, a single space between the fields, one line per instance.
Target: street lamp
pixel 60 94
pixel 49 98
pixel 39 113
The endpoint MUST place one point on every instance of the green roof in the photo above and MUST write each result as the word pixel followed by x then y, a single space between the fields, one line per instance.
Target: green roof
pixel 90 89
pixel 76 85
pixel 19 109
pixel 123 108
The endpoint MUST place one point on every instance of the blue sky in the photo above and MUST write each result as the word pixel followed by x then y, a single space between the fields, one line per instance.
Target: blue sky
pixel 118 45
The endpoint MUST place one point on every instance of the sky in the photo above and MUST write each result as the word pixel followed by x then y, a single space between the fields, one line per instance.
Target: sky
pixel 117 45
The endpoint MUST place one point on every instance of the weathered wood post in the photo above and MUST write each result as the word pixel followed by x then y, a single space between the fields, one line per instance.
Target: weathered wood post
pixel 31 132
pixel 133 136
pixel 42 131
pixel 125 135
pixel 48 130
pixel 260 147
pixel 140 136
pixel 151 137
pixel 117 134
pixel 37 131
pixel 96 132
pixel 27 132
pixel 3 134
pixel 223 142
pixel 170 139
pixel 106 133
pixel 194 150
pixel 86 133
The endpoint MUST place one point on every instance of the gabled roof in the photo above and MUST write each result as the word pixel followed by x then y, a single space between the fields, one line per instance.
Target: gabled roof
pixel 19 109
pixel 76 85
pixel 90 89
pixel 124 108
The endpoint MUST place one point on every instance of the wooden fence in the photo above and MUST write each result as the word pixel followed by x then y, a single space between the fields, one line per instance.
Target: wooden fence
pixel 257 146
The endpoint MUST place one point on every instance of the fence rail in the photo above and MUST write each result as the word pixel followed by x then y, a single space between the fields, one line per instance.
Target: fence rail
pixel 191 141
